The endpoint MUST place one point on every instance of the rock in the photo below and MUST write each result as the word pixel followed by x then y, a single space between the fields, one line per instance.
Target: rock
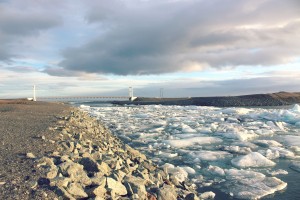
pixel 98 191
pixel 30 155
pixel 134 153
pixel 52 172
pixel 60 182
pixel 167 192
pixel 76 190
pixel 116 186
pixel 103 167
pixel 65 194
pixel 89 164
pixel 207 195
pixel 99 179
pixel 136 185
pixel 191 196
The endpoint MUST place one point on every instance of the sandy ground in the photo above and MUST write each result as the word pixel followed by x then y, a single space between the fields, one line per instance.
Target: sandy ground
pixel 22 125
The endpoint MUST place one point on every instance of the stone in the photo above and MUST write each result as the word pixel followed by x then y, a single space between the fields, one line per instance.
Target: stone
pixel 65 193
pixel 98 191
pixel 207 195
pixel 30 155
pixel 134 153
pixel 60 182
pixel 116 186
pixel 99 179
pixel 76 190
pixel 191 196
pixel 103 167
pixel 167 192
pixel 52 173
pixel 136 185
pixel 89 164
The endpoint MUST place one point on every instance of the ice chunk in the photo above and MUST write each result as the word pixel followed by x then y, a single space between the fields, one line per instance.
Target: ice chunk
pixel 296 108
pixel 177 172
pixel 284 153
pixel 238 111
pixel 291 140
pixel 210 155
pixel 215 170
pixel 270 154
pixel 268 143
pixel 253 159
pixel 193 141
pixel 250 185
pixel 189 170
pixel 295 166
pixel 236 149
pixel 277 172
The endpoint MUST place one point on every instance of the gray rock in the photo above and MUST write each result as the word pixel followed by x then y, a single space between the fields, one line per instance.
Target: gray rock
pixel 76 190
pixel 116 186
pixel 167 192
pixel 136 185
pixel 89 164
pixel 52 173
pixel 191 196
pixel 30 155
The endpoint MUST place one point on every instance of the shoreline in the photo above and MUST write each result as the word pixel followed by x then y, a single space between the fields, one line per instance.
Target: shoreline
pixel 83 159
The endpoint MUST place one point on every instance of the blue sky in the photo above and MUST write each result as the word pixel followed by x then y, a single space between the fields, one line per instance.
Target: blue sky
pixel 187 47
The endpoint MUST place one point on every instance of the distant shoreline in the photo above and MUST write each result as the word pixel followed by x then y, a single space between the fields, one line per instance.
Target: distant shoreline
pixel 273 99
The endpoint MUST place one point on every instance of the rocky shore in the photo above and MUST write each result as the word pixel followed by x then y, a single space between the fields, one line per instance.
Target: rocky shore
pixel 52 151
pixel 91 163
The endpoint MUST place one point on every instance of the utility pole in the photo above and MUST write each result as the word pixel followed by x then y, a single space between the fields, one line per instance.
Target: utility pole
pixel 34 94
pixel 161 93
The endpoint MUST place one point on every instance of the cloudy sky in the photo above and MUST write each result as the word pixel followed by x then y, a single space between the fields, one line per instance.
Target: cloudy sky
pixel 187 47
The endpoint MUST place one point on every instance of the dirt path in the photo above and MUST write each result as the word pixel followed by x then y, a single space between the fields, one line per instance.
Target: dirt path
pixel 22 127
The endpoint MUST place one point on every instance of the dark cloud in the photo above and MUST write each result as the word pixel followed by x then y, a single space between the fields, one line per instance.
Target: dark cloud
pixel 156 37
pixel 19 21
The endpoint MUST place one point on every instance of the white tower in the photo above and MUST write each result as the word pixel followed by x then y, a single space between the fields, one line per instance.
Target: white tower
pixel 130 92
pixel 34 96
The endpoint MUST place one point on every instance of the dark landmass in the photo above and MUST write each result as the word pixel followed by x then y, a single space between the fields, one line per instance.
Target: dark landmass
pixel 273 99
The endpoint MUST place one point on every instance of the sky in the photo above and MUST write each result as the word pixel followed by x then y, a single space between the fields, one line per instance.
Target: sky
pixel 187 47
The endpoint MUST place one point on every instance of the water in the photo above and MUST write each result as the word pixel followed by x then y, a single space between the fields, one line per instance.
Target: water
pixel 213 145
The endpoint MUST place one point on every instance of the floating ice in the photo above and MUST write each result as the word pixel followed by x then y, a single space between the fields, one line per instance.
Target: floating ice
pixel 268 143
pixel 178 172
pixel 277 172
pixel 215 170
pixel 181 143
pixel 210 155
pixel 238 111
pixel 210 137
pixel 253 159
pixel 250 185
pixel 291 140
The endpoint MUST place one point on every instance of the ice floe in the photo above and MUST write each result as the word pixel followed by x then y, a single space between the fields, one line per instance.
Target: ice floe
pixel 207 144
pixel 245 184
pixel 253 159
